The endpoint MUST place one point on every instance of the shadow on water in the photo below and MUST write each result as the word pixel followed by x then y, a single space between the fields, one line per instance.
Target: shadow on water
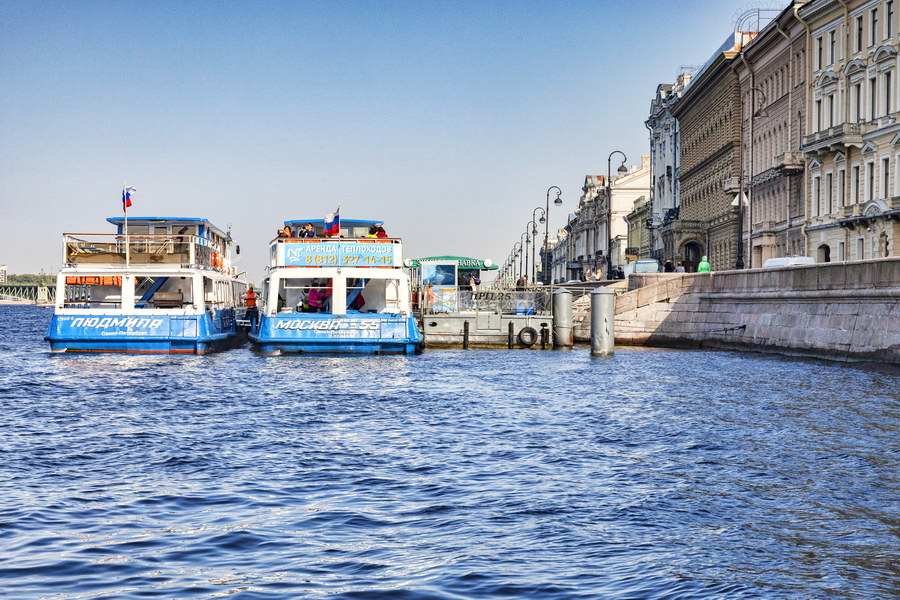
pixel 651 474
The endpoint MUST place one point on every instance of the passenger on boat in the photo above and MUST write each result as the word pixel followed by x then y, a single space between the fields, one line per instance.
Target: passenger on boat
pixel 308 231
pixel 252 312
pixel 303 301
pixel 317 298
pixel 377 231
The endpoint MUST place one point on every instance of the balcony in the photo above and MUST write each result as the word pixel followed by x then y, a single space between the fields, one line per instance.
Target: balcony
pixel 789 163
pixel 833 138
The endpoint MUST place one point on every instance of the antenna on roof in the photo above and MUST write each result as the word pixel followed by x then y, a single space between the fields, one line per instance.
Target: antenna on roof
pixel 756 17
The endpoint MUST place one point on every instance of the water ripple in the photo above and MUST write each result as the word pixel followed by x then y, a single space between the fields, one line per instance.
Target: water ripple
pixel 656 475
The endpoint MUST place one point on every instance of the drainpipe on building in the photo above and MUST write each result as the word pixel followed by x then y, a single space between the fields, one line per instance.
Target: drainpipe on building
pixel 846 191
pixel 808 86
pixel 748 249
pixel 652 190
pixel 790 178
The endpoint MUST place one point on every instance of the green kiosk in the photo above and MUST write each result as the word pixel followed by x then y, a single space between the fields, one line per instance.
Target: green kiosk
pixel 443 281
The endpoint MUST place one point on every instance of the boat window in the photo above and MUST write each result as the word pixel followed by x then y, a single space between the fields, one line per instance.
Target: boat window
pixel 92 291
pixel 438 274
pixel 373 295
pixel 304 294
pixel 159 291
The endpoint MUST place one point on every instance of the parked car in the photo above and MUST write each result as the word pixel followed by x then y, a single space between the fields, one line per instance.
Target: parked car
pixel 788 261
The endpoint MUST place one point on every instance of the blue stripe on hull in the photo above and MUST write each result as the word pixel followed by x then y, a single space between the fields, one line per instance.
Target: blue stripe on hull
pixel 298 333
pixel 141 334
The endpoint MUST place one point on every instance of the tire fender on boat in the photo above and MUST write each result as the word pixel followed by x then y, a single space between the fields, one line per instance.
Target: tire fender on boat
pixel 528 336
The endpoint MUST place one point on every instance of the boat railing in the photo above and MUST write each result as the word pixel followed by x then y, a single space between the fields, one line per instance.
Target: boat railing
pixel 435 300
pixel 142 249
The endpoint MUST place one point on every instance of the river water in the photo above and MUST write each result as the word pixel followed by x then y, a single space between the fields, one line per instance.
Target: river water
pixel 651 474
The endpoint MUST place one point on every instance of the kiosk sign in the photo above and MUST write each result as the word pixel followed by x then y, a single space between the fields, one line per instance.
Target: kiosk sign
pixel 356 253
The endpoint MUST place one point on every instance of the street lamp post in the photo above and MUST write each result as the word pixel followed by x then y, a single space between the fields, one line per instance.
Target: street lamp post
pixel 622 170
pixel 558 202
pixel 739 263
pixel 527 235
pixel 534 233
pixel 517 254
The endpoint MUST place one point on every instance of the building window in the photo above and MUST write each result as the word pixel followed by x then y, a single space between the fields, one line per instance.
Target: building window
pixel 854 181
pixel 860 249
pixel 870 181
pixel 889 19
pixel 829 195
pixel 873 27
pixel 830 110
pixel 840 256
pixel 885 176
pixel 842 181
pixel 888 82
pixel 819 48
pixel 817 195
pixel 857 101
pixel 818 115
pixel 873 98
pixel 832 45
pixel 859 34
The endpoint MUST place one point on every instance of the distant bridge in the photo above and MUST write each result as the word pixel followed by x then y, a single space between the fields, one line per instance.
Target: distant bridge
pixel 30 292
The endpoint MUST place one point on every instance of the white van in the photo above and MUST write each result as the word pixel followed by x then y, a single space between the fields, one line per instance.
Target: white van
pixel 788 261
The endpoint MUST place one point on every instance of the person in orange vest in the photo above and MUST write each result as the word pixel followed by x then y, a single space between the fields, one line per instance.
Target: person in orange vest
pixel 252 312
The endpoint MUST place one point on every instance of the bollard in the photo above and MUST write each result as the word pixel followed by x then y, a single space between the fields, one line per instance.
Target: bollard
pixel 511 330
pixel 563 333
pixel 603 322
pixel 465 335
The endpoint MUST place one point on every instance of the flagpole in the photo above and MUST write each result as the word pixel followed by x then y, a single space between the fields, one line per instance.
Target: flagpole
pixel 125 210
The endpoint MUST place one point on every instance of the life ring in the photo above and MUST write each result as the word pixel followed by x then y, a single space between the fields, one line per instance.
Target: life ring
pixel 528 336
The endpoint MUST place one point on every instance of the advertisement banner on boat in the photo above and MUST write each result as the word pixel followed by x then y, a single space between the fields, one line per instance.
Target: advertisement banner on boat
pixel 351 253
pixel 113 326
pixel 299 327
pixel 327 328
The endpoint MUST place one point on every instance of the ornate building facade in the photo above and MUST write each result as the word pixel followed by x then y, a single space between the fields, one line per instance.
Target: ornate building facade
pixel 772 78
pixel 708 114
pixel 853 143
pixel 662 206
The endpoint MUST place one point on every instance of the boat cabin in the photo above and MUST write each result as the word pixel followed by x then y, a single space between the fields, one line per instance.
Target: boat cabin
pixel 349 274
pixel 161 264
pixel 188 242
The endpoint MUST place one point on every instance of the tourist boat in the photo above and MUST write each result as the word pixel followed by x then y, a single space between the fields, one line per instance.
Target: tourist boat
pixel 156 285
pixel 346 293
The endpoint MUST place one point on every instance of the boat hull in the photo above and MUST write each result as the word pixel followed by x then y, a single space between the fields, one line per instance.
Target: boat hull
pixel 303 333
pixel 143 334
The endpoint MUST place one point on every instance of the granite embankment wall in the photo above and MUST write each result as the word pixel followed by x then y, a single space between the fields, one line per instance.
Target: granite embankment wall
pixel 838 311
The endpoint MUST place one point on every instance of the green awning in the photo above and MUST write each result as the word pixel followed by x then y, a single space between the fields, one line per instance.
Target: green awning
pixel 462 262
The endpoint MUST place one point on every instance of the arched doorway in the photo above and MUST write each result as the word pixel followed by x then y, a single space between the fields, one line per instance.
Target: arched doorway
pixel 692 253
pixel 823 254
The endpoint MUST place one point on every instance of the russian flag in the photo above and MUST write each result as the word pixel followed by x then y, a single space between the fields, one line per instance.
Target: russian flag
pixel 127 191
pixel 333 222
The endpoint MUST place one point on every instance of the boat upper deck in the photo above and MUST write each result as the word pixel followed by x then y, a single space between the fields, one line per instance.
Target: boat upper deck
pixel 158 241
pixel 354 246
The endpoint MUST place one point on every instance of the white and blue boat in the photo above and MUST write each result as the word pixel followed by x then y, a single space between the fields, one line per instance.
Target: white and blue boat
pixel 345 293
pixel 156 285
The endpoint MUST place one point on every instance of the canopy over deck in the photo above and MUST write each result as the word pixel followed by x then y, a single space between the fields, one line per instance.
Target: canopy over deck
pixel 206 225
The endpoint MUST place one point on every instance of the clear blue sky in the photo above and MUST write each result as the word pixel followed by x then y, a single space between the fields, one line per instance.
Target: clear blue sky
pixel 448 120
